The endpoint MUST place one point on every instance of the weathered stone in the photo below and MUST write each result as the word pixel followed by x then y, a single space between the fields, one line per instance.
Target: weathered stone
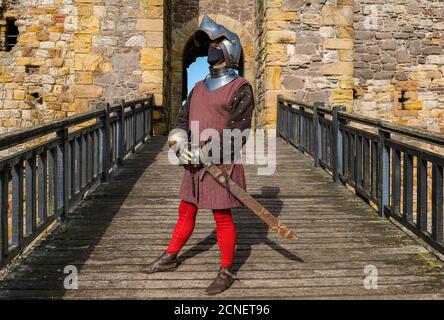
pixel 136 41
pixel 84 77
pixel 389 45
pixel 382 35
pixel 106 79
pixel 389 67
pixel 401 35
pixel 276 14
pixel 330 56
pixel 415 47
pixel 341 95
pixel 434 59
pixel 284 36
pixel 432 50
pixel 412 105
pixel 152 76
pixel 363 35
pixel 88 25
pixel 291 5
pixel 338 68
pixel 345 32
pixel 87 91
pixel 151 58
pixel 369 57
pixel 338 44
pixel 364 74
pixel 338 16
pixel 19 94
pixel 401 76
pixel 388 59
pixel 403 56
pixel 149 25
pixel 125 61
pixel 82 43
pixel 87 62
pixel 292 82
pixel 346 55
pixel 383 75
pixel 104 41
pixel 273 78
pixel 115 92
pixel 150 88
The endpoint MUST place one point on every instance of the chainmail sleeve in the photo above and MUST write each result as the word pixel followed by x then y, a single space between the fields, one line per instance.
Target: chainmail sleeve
pixel 241 112
pixel 241 108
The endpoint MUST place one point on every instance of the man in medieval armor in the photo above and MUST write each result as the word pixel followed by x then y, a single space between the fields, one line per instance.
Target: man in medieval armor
pixel 223 100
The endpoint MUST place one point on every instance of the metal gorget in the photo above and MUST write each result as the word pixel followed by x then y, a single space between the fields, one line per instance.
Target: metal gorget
pixel 219 77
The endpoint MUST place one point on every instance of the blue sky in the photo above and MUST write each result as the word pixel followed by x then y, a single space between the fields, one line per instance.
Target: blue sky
pixel 197 71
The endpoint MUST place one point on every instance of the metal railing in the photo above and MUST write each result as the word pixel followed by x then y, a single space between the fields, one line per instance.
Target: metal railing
pixel 405 182
pixel 44 181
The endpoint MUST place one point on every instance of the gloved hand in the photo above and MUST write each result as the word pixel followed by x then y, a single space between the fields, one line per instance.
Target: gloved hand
pixel 188 154
pixel 193 155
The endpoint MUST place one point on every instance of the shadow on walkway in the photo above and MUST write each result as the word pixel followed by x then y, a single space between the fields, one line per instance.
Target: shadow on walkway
pixel 244 227
pixel 72 242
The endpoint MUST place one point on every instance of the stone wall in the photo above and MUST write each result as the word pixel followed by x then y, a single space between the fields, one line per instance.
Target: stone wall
pixel 276 37
pixel 308 52
pixel 383 60
pixel 399 61
pixel 380 59
pixel 72 53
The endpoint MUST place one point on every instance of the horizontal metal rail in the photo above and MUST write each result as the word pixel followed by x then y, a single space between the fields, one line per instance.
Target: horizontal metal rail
pixel 43 182
pixel 405 182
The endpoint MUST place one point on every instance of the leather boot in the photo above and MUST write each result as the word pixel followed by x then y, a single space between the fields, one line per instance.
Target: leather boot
pixel 223 281
pixel 166 262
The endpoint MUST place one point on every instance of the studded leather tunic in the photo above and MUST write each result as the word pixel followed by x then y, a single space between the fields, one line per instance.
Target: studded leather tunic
pixel 229 107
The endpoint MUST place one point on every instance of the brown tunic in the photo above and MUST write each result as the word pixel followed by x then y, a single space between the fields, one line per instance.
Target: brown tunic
pixel 227 107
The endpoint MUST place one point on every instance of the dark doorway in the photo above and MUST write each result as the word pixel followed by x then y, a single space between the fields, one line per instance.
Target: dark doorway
pixel 190 55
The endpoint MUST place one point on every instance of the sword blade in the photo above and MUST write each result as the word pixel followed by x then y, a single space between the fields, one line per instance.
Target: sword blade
pixel 246 199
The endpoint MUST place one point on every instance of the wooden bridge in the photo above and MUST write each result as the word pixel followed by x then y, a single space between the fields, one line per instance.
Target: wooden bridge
pixel 127 220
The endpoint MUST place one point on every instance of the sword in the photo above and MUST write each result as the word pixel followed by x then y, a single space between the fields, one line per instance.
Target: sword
pixel 246 199
pixel 240 194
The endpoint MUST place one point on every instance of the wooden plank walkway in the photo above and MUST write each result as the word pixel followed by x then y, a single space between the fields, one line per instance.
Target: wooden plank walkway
pixel 128 221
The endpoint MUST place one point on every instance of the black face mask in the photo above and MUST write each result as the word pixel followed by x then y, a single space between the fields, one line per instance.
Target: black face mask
pixel 215 55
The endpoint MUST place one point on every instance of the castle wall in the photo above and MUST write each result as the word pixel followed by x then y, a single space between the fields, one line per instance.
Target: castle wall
pixel 399 61
pixel 380 59
pixel 308 53
pixel 72 53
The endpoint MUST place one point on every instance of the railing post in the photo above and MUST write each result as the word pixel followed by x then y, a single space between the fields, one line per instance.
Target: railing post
pixel 317 134
pixel 17 203
pixel 104 143
pixel 301 127
pixel 279 115
pixel 384 172
pixel 336 147
pixel 144 121
pixel 121 134
pixel 288 124
pixel 134 129
pixel 4 208
pixel 150 116
pixel 61 193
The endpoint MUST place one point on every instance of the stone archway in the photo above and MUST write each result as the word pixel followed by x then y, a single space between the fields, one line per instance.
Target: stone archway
pixel 180 41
